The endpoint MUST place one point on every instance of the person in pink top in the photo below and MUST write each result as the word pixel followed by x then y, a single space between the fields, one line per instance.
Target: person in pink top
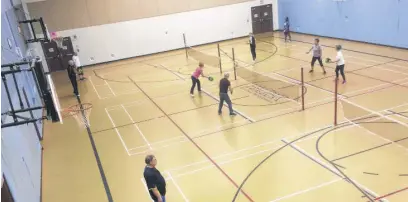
pixel 195 78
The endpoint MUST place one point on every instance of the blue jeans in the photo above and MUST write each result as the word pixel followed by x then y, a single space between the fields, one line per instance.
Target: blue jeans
pixel 226 98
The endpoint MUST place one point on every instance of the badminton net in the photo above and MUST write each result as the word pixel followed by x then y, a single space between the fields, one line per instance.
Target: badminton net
pixel 199 56
pixel 372 121
pixel 279 87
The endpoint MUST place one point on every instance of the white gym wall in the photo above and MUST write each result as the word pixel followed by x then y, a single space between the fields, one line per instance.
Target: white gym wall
pixel 128 39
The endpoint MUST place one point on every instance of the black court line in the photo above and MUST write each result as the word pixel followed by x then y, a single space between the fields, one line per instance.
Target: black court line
pixel 368 173
pixel 399 113
pixel 369 149
pixel 362 52
pixel 322 165
pixel 339 170
pixel 344 124
pixel 95 150
pixel 162 116
pixel 193 142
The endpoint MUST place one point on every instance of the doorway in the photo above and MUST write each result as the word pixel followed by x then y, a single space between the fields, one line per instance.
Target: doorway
pixel 262 19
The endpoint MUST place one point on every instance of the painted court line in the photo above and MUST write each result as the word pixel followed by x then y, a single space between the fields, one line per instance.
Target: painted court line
pixel 227 162
pixel 225 104
pixel 307 190
pixel 238 112
pixel 350 126
pixel 109 87
pixel 145 186
pixel 159 142
pixel 137 127
pixel 117 132
pixel 377 86
pixel 177 186
pixel 374 112
pixel 247 149
pixel 90 80
pixel 330 168
pixel 364 64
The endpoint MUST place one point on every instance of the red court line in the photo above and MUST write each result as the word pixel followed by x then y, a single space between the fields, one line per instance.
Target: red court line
pixel 192 141
pixel 389 194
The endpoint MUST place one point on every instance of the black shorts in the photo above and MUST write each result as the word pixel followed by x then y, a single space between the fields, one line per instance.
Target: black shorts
pixel 319 59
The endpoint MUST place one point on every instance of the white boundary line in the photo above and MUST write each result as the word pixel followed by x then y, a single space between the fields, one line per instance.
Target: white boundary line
pixel 307 190
pixel 158 142
pixel 379 136
pixel 399 115
pixel 177 186
pixel 364 64
pixel 117 132
pixel 137 128
pixel 228 161
pixel 109 87
pixel 225 104
pixel 374 112
pixel 182 78
pixel 330 168
pixel 96 91
pixel 375 134
pixel 377 86
pixel 145 186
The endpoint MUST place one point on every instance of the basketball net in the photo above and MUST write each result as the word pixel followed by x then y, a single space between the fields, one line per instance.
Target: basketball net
pixel 80 113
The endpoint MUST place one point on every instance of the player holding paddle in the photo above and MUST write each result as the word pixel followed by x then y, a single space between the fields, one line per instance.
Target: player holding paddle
pixel 317 55
pixel 339 63
pixel 195 78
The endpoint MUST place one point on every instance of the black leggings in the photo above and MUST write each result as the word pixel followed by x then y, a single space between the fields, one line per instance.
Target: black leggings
pixel 74 84
pixel 195 81
pixel 253 52
pixel 341 69
pixel 318 59
pixel 286 35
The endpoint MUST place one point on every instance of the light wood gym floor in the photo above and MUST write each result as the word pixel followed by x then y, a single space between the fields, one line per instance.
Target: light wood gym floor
pixel 143 106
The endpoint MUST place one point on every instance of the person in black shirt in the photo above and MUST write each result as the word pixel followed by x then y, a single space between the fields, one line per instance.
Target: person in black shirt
pixel 72 76
pixel 154 180
pixel 225 85
pixel 252 45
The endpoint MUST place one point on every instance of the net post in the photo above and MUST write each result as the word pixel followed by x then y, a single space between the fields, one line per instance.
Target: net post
pixel 233 60
pixel 303 89
pixel 185 44
pixel 335 101
pixel 219 57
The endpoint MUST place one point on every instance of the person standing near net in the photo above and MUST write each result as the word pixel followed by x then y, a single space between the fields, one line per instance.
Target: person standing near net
pixel 156 184
pixel 195 78
pixel 252 45
pixel 225 85
pixel 78 66
pixel 72 72
pixel 317 55
pixel 286 29
pixel 340 62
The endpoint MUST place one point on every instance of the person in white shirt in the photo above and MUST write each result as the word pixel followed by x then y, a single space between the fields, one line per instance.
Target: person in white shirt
pixel 317 55
pixel 339 64
pixel 78 66
pixel 252 45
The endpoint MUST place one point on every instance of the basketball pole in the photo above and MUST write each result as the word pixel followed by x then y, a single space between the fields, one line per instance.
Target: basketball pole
pixel 335 101
pixel 185 44
pixel 219 57
pixel 303 89
pixel 233 60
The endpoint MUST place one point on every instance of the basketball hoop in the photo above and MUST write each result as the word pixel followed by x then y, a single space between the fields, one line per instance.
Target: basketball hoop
pixel 81 113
